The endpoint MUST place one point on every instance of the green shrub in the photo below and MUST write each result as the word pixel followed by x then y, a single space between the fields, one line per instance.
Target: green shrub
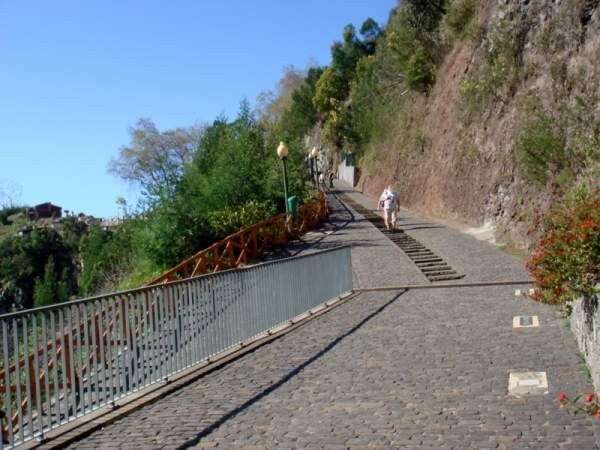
pixel 230 220
pixel 500 67
pixel 49 289
pixel 566 264
pixel 541 147
pixel 106 257
pixel 455 24
pixel 419 70
pixel 5 214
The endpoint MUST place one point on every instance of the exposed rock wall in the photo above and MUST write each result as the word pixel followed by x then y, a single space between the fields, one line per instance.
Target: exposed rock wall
pixel 585 323
pixel 444 164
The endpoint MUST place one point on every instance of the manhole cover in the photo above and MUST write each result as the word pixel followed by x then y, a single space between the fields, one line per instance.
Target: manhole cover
pixel 524 383
pixel 525 321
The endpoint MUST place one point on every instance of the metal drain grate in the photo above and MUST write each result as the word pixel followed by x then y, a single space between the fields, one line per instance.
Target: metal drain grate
pixel 431 265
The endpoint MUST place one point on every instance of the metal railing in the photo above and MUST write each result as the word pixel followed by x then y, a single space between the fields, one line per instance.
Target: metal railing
pixel 64 361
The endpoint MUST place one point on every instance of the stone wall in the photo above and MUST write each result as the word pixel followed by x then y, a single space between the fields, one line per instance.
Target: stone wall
pixel 585 323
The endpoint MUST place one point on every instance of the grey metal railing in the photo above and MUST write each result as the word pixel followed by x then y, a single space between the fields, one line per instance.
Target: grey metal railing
pixel 64 361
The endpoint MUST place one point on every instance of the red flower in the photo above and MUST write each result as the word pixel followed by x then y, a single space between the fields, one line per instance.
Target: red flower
pixel 590 397
pixel 562 397
pixel 598 414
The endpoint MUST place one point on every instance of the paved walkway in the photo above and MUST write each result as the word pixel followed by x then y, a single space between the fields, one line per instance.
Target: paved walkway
pixel 418 369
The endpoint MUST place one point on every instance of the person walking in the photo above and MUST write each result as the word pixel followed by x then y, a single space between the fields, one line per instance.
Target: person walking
pixel 390 203
pixel 331 177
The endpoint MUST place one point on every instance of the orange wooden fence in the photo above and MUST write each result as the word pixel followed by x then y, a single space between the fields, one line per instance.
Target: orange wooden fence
pixel 253 241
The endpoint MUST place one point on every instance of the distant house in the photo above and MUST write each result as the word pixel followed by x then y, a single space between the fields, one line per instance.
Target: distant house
pixel 44 211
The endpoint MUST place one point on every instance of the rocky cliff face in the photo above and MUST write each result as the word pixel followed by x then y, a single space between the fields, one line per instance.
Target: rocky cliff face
pixel 528 68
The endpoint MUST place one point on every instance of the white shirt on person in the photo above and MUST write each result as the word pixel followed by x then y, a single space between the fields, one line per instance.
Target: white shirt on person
pixel 389 200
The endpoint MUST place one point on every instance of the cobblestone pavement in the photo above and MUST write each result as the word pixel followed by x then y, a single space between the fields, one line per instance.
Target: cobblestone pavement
pixel 416 369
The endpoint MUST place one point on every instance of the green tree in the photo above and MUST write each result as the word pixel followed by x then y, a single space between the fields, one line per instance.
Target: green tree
pixel 409 49
pixel 331 90
pixel 302 114
pixel 24 258
pixel 424 17
pixel 271 105
pixel 235 165
pixel 370 31
pixel 333 87
pixel 154 160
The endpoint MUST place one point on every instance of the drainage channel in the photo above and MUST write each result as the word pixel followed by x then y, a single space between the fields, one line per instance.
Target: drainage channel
pixel 431 265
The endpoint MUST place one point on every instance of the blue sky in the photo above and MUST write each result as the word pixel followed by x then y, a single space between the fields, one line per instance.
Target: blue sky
pixel 75 75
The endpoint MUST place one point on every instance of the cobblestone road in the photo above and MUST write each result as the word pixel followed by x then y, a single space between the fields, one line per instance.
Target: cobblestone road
pixel 417 369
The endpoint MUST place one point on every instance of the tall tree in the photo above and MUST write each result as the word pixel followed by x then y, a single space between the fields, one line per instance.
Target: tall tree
pixel 271 104
pixel 302 115
pixel 333 87
pixel 154 160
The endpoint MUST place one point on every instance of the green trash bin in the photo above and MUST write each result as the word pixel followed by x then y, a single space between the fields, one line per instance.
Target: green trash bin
pixel 293 206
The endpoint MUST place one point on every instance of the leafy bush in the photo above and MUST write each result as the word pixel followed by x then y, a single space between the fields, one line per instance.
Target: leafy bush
pixel 503 49
pixel 455 24
pixel 105 258
pixel 24 259
pixel 49 289
pixel 566 264
pixel 541 146
pixel 5 214
pixel 419 70
pixel 231 220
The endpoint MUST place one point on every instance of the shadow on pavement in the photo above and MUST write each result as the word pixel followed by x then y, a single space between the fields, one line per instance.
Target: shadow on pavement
pixel 232 414
pixel 406 227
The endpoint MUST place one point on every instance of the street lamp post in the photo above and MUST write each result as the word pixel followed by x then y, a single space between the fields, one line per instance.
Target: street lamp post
pixel 282 152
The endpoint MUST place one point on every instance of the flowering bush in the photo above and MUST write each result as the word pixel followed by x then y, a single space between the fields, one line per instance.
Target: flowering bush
pixel 566 263
pixel 588 404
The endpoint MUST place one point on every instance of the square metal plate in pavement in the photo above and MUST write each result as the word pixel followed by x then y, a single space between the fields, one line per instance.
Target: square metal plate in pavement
pixel 525 383
pixel 526 321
